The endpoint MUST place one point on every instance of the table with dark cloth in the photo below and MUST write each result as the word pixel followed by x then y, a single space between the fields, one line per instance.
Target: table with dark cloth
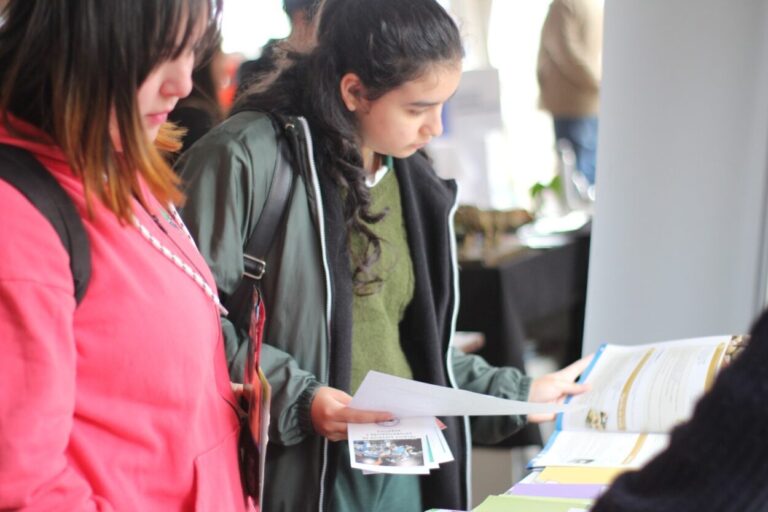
pixel 537 294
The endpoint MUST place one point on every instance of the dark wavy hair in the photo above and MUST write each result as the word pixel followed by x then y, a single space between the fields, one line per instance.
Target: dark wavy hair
pixel 387 43
pixel 308 6
pixel 67 65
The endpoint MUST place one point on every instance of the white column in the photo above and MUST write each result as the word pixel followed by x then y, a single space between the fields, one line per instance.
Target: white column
pixel 474 18
pixel 679 235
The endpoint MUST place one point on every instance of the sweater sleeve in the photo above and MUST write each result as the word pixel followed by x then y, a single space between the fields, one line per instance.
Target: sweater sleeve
pixel 717 460
pixel 38 365
pixel 474 374
pixel 570 44
pixel 227 179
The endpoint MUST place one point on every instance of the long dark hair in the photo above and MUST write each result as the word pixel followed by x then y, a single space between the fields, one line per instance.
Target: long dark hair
pixel 66 65
pixel 387 43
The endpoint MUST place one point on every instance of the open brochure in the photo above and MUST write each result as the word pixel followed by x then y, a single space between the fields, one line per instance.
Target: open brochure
pixel 639 393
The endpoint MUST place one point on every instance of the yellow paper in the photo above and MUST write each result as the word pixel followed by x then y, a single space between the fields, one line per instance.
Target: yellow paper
pixel 576 475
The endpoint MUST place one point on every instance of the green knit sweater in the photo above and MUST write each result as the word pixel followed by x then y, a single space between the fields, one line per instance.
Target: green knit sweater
pixel 376 316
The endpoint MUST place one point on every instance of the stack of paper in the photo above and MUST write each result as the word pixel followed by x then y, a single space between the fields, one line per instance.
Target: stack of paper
pixel 413 443
pixel 400 446
pixel 638 394
pixel 555 492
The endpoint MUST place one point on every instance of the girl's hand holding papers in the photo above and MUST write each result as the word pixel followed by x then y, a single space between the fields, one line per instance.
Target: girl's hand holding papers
pixel 330 413
pixel 554 387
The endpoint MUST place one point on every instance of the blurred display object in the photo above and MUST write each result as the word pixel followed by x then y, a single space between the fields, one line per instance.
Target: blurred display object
pixel 488 234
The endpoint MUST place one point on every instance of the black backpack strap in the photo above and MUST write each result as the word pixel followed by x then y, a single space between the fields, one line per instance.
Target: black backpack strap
pixel 22 170
pixel 275 208
pixel 273 216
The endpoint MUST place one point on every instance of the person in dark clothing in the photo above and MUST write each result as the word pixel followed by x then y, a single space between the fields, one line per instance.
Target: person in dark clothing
pixel 301 14
pixel 717 461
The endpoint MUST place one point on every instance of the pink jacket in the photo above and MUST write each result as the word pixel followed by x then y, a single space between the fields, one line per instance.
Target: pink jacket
pixel 123 403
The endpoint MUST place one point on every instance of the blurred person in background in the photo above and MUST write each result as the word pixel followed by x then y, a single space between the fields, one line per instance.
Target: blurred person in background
pixel 301 14
pixel 569 73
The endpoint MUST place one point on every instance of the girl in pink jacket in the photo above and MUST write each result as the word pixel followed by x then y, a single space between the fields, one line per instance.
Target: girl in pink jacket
pixel 120 401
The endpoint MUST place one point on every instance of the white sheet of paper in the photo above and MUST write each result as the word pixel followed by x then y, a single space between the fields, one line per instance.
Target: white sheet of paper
pixel 407 398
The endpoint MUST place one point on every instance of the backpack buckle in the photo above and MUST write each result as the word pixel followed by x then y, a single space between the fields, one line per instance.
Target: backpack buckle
pixel 255 267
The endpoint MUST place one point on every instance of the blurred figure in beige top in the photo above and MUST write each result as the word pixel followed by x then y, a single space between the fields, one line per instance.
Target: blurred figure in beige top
pixel 569 70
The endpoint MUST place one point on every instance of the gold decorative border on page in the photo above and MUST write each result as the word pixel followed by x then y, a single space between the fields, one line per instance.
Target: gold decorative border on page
pixel 622 413
pixel 714 365
pixel 635 450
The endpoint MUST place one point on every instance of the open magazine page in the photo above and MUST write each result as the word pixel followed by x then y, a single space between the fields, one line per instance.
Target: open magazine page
pixel 645 388
pixel 639 393
pixel 600 449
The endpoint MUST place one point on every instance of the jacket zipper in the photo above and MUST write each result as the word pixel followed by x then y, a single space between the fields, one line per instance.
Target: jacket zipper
pixel 326 272
pixel 454 316
pixel 449 365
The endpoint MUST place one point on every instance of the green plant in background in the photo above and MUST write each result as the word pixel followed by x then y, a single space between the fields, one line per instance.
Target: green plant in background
pixel 555 185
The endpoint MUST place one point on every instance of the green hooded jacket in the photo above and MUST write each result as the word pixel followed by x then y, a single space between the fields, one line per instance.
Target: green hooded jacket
pixel 307 291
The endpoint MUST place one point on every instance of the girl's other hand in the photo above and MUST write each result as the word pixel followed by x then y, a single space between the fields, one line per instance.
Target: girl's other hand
pixel 554 387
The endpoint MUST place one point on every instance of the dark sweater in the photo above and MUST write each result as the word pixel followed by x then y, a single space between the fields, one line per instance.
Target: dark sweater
pixel 718 460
